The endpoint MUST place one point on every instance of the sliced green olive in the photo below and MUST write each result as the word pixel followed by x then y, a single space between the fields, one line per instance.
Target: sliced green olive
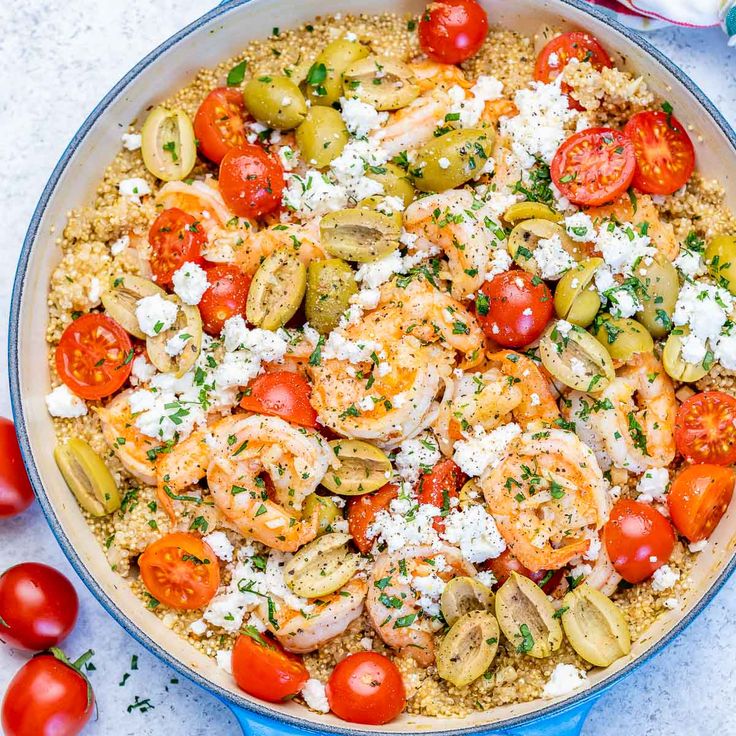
pixel 525 238
pixel 324 78
pixel 359 234
pixel 88 477
pixel 675 365
pixel 576 298
pixel 462 595
pixel 576 358
pixel 363 468
pixel 396 182
pixel 322 136
pixel 530 211
pixel 327 511
pixel 277 290
pixel 660 287
pixel 330 284
pixel 595 626
pixel 720 257
pixel 468 649
pixel 379 204
pixel 187 332
pixel 275 101
pixel 450 160
pixel 383 83
pixel 322 566
pixel 122 296
pixel 168 144
pixel 622 337
pixel 527 618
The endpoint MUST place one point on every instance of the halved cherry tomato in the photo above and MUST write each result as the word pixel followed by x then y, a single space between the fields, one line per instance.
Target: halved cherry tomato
pixel 262 668
pixel 503 565
pixel 638 539
pixel 180 570
pixel 665 157
pixel 705 428
pixel 175 238
pixel 225 296
pixel 94 356
pixel 451 31
pixel 16 494
pixel 513 308
pixel 366 687
pixel 362 512
pixel 438 486
pixel 219 123
pixel 251 181
pixel 594 166
pixel 699 497
pixel 281 393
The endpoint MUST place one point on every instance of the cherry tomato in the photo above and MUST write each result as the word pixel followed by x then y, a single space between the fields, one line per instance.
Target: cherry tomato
pixel 705 428
pixel 48 696
pixel 94 356
pixel 366 688
pixel 594 166
pixel 218 124
pixel 225 296
pixel 16 494
pixel 362 512
pixel 38 606
pixel 513 308
pixel 698 498
pixel 262 668
pixel 665 157
pixel 638 539
pixel 251 181
pixel 284 394
pixel 503 565
pixel 175 238
pixel 438 486
pixel 451 31
pixel 180 570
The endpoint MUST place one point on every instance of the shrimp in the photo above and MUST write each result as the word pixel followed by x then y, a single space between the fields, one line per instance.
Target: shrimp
pixel 431 74
pixel 546 496
pixel 393 600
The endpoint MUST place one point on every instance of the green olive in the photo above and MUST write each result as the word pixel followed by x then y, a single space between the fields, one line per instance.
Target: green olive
pixel 576 298
pixel 168 144
pixel 468 649
pixel 525 239
pixel 470 494
pixel 661 285
pixel 359 234
pixel 322 136
pixel 448 161
pixel 327 511
pixel 383 83
pixel 396 182
pixel 188 328
pixel 277 290
pixel 275 101
pixel 622 337
pixel 530 211
pixel 330 284
pixel 595 626
pixel 324 78
pixel 675 365
pixel 88 477
pixel 720 257
pixel 576 358
pixel 378 203
pixel 462 595
pixel 363 468
pixel 322 566
pixel 122 296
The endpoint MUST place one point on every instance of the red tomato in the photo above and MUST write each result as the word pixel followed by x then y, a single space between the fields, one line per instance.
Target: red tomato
pixel 594 166
pixel 175 238
pixel 218 124
pixel 503 565
pixel 94 356
pixel 48 697
pixel 281 393
pixel 366 688
pixel 451 31
pixel 705 429
pixel 225 296
pixel 180 570
pixel 438 486
pixel 16 494
pixel 251 181
pixel 362 512
pixel 665 157
pixel 699 497
pixel 263 669
pixel 513 308
pixel 38 606
pixel 638 539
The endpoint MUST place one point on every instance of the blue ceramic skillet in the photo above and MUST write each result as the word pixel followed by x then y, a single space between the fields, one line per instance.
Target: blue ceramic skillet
pixel 218 35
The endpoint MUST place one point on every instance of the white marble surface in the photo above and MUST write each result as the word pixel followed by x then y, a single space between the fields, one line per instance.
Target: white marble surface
pixel 56 60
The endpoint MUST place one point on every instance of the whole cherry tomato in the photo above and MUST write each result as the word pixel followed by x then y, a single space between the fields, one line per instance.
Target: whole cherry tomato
pixel 362 512
pixel 705 428
pixel 16 494
pixel 225 296
pixel 175 238
pixel 219 123
pixel 438 486
pixel 283 394
pixel 251 181
pixel 451 31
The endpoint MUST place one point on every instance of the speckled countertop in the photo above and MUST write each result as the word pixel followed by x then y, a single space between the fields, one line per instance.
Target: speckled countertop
pixel 58 59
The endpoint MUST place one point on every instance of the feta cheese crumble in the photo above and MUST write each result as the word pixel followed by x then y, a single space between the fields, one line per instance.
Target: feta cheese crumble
pixel 221 545
pixel 134 188
pixel 132 141
pixel 482 450
pixel 61 402
pixel 315 696
pixel 360 117
pixel 417 456
pixel 190 283
pixel 474 531
pixel 155 314
pixel 565 678
pixel 653 485
pixel 664 578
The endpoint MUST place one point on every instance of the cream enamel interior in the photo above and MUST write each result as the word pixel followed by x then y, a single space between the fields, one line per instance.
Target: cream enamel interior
pixel 216 40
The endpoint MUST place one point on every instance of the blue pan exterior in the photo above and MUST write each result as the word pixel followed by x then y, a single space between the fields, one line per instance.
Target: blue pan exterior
pixel 565 719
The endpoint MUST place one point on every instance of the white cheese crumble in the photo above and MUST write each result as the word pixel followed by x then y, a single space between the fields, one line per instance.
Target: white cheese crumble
pixel 120 245
pixel 221 545
pixel 664 578
pixel 132 141
pixel 155 314
pixel 134 188
pixel 376 273
pixel 417 456
pixel 565 678
pixel 653 485
pixel 224 658
pixel 474 531
pixel 553 260
pixel 61 402
pixel 482 450
pixel 580 227
pixel 190 283
pixel 176 344
pixel 443 162
pixel 360 117
pixel 315 695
